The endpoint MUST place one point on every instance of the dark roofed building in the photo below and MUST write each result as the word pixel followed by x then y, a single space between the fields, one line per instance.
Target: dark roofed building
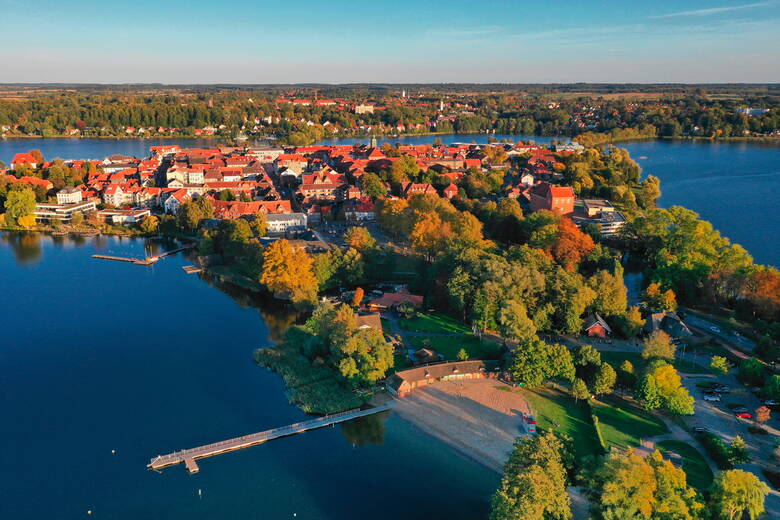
pixel 669 322
pixel 403 383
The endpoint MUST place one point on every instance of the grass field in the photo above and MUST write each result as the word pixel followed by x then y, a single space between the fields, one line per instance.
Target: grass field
pixel 434 323
pixel 623 425
pixel 557 411
pixel 617 358
pixel 448 346
pixel 695 467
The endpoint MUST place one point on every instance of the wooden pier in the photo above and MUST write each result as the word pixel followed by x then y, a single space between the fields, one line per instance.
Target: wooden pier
pixel 188 456
pixel 143 261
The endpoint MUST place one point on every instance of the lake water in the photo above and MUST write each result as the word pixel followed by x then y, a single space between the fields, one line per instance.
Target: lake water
pixel 98 356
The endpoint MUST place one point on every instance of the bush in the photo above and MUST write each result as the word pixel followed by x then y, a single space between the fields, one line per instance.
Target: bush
pixel 751 371
pixel 726 456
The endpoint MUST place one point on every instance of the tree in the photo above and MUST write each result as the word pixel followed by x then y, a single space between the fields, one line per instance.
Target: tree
pixel 533 486
pixel 26 221
pixel 150 224
pixel 605 378
pixel 751 371
pixel 720 365
pixel 373 186
pixel 661 386
pixel 658 346
pixel 611 294
pixel 359 238
pixel 659 300
pixel 579 390
pixel 535 361
pixel 192 211
pixel 365 357
pixel 631 322
pixel 19 203
pixel 737 493
pixel 259 225
pixel 628 486
pixel 762 415
pixel 430 234
pixel 357 299
pixel 77 219
pixel 462 355
pixel 571 245
pixel 772 387
pixel 232 236
pixel 287 272
pixel 514 321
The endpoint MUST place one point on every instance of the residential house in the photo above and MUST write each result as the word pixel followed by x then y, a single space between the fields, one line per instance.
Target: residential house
pixel 596 327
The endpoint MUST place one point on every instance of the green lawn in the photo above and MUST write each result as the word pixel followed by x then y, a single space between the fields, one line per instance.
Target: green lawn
pixel 449 346
pixel 616 359
pixel 623 425
pixel 434 323
pixel 557 411
pixel 695 467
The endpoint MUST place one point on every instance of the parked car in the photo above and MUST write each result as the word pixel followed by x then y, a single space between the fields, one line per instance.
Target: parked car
pixel 744 415
pixel 712 397
pixel 771 402
pixel 699 430
pixel 715 329
pixel 739 409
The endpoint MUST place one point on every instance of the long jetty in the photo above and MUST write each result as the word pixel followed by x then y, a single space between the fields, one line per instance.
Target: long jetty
pixel 189 456
pixel 142 261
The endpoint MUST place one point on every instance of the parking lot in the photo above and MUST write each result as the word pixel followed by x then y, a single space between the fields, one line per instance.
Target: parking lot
pixel 718 418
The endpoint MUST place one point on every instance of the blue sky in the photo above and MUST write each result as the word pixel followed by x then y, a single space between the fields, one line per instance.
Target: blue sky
pixel 402 41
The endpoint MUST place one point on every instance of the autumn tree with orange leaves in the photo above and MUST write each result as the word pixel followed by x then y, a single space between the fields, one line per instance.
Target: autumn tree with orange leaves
pixel 287 272
pixel 571 244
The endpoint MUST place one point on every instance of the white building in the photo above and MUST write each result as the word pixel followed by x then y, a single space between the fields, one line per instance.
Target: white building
pixel 69 195
pixel 62 212
pixel 279 223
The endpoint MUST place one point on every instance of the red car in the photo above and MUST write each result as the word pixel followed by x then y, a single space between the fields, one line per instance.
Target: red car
pixel 744 415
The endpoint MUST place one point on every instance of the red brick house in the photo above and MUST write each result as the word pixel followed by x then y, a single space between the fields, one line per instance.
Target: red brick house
pixel 596 327
pixel 559 199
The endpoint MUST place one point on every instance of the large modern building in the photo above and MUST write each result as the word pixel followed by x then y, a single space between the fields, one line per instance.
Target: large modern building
pixel 600 213
pixel 62 212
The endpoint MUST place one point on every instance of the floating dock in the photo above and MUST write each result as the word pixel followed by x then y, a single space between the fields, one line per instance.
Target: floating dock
pixel 191 269
pixel 189 456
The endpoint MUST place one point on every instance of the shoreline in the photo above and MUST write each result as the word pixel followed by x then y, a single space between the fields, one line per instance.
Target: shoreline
pixel 461 448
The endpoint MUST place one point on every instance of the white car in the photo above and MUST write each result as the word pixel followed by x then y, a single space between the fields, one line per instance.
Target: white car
pixel 712 397
pixel 715 329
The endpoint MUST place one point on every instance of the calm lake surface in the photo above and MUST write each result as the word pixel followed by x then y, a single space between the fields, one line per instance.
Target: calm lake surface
pixel 99 356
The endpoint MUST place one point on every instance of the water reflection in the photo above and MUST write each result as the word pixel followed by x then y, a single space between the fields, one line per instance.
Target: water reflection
pixel 277 315
pixel 26 247
pixel 366 430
